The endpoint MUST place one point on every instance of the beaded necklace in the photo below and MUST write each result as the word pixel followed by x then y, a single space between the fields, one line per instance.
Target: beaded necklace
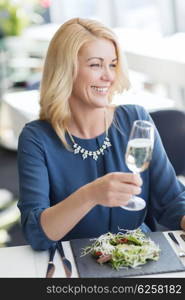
pixel 77 149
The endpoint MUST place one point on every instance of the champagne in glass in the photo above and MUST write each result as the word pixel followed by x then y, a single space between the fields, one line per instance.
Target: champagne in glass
pixel 138 155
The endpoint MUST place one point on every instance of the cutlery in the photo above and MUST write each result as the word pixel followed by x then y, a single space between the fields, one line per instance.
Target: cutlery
pixel 182 251
pixel 65 261
pixel 51 266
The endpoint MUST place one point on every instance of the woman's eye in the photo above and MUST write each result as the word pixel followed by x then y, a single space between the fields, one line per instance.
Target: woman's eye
pixel 95 65
pixel 113 65
pixel 99 65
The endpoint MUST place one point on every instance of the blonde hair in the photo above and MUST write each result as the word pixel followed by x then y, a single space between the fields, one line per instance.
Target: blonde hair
pixel 60 70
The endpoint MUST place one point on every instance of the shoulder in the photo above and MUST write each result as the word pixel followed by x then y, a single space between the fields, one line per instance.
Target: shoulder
pixel 132 112
pixel 38 133
pixel 37 129
pixel 37 126
pixel 125 115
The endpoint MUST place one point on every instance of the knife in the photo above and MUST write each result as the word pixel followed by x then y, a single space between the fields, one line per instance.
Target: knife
pixel 66 263
pixel 171 235
pixel 51 266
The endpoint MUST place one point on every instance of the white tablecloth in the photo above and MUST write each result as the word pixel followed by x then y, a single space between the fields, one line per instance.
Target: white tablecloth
pixel 22 261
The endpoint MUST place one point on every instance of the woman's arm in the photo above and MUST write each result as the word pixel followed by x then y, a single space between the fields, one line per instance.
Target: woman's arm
pixel 42 223
pixel 113 189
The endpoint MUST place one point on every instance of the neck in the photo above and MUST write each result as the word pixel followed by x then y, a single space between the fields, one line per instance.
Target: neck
pixel 87 124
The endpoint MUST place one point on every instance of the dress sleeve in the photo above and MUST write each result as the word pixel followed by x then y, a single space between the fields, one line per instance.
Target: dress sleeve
pixel 33 188
pixel 166 193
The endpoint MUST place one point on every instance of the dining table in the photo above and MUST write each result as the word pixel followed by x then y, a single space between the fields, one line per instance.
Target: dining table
pixel 24 262
pixel 19 108
pixel 160 58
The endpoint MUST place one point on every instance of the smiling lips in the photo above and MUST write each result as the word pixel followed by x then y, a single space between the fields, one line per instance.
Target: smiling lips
pixel 100 90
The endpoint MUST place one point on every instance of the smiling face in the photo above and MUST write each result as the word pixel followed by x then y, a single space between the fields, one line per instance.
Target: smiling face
pixel 96 74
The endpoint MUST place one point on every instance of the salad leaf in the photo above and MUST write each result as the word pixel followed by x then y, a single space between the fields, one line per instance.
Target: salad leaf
pixel 129 249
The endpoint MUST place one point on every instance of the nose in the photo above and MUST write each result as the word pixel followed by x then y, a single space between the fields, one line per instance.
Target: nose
pixel 108 74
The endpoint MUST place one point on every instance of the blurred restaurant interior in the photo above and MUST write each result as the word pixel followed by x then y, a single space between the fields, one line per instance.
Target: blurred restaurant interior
pixel 152 35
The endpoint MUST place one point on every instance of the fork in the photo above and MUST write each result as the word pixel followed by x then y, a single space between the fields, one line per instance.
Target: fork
pixel 182 251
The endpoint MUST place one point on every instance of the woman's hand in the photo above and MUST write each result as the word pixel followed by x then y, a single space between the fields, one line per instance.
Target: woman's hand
pixel 114 189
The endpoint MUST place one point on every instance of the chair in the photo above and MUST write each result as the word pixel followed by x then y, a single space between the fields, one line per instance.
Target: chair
pixel 171 127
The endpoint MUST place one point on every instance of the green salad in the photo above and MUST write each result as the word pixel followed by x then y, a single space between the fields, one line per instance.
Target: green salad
pixel 130 249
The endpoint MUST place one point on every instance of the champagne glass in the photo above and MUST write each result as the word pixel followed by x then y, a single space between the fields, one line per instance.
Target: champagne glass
pixel 138 155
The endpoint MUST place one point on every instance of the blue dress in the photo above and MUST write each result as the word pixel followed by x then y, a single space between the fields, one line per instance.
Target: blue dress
pixel 48 173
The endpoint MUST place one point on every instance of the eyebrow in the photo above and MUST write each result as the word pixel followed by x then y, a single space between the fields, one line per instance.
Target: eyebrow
pixel 100 58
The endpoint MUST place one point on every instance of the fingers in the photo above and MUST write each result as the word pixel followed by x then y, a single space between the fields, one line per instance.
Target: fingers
pixel 128 178
pixel 129 189
pixel 121 187
pixel 115 189
pixel 119 199
pixel 123 201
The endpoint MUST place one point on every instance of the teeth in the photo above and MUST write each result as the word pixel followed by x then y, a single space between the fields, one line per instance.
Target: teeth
pixel 101 90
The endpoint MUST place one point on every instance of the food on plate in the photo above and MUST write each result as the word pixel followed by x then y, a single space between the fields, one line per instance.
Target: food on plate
pixel 129 249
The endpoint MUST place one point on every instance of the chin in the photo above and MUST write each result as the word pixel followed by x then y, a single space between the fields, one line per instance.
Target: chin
pixel 101 103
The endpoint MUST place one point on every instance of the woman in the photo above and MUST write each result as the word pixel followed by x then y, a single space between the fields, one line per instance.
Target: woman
pixel 73 176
